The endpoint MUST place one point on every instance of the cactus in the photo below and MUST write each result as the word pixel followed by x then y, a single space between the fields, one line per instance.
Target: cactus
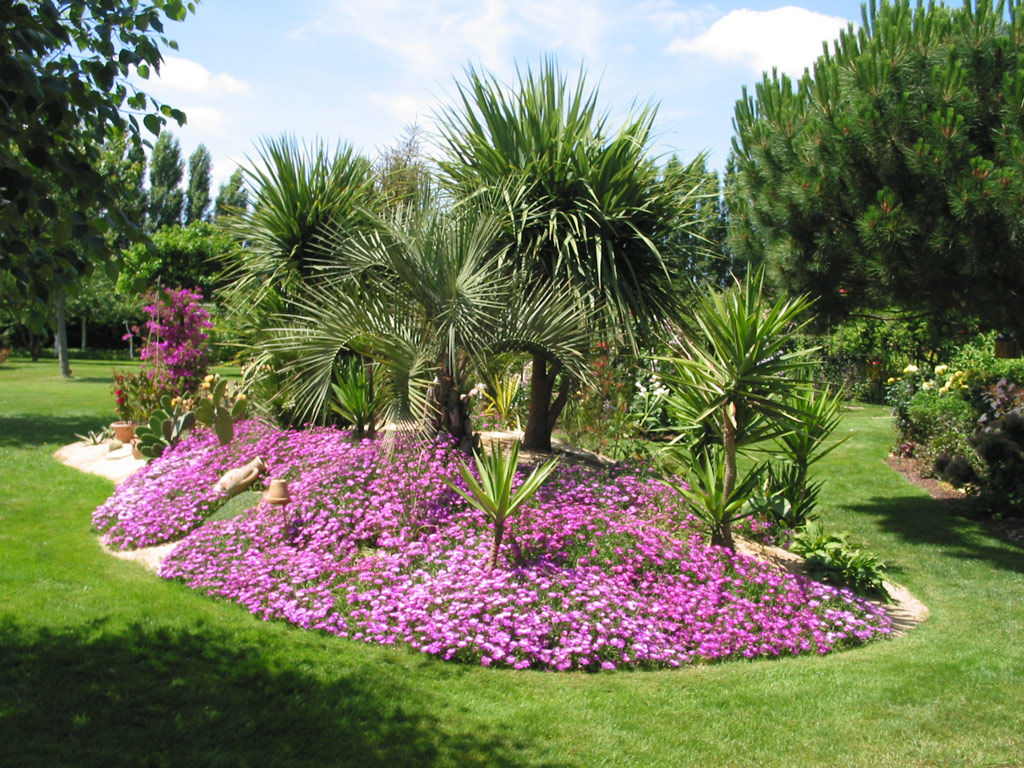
pixel 166 426
pixel 218 412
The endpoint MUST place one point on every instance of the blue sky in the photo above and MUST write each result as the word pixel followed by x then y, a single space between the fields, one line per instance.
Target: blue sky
pixel 359 71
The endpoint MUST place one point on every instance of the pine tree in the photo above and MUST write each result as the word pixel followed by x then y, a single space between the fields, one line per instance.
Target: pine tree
pixel 893 174
pixel 166 198
pixel 197 198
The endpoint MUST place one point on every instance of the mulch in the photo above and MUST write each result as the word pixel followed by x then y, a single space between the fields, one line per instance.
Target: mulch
pixel 1009 529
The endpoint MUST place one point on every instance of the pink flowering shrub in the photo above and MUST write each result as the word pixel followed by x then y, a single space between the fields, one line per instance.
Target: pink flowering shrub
pixel 176 352
pixel 602 571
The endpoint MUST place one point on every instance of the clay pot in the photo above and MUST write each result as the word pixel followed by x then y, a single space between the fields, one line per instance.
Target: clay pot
pixel 277 493
pixel 136 453
pixel 123 431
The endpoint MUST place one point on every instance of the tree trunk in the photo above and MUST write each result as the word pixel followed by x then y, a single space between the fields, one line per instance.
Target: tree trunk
pixel 722 537
pixel 452 413
pixel 499 532
pixel 62 335
pixel 83 333
pixel 544 412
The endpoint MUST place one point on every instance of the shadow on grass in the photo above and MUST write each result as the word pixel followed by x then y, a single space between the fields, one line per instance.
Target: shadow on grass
pixel 162 698
pixel 920 520
pixel 29 430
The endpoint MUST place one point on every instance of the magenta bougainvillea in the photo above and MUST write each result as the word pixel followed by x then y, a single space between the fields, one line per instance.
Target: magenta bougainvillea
pixel 176 352
pixel 603 571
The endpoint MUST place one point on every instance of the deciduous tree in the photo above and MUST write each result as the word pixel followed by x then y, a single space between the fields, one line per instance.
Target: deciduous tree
pixel 64 89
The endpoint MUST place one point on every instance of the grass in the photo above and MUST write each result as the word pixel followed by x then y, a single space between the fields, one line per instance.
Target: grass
pixel 102 663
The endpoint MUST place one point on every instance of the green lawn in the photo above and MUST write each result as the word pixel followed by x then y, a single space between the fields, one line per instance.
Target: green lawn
pixel 102 663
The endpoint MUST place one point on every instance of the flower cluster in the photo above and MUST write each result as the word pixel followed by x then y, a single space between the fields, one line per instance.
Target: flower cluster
pixel 176 348
pixel 603 571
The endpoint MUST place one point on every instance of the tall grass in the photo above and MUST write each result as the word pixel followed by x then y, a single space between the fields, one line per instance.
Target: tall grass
pixel 101 663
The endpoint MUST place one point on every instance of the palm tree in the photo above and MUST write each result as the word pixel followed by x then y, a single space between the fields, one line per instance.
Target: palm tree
pixel 582 206
pixel 423 295
pixel 297 191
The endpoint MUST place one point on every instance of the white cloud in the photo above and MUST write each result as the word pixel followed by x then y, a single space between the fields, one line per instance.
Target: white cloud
pixel 191 77
pixel 432 38
pixel 667 16
pixel 789 38
pixel 405 108
pixel 206 119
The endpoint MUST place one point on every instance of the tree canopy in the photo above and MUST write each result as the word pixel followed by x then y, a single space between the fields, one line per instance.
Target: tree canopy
pixel 583 203
pixel 63 86
pixel 892 175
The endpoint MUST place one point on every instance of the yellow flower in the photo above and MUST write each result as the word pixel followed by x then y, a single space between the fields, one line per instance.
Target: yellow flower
pixel 941 369
pixel 209 378
pixel 239 396
pixel 890 380
pixel 205 385
pixel 928 385
pixel 910 369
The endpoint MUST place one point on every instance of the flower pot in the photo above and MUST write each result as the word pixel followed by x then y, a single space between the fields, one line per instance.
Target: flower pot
pixel 136 453
pixel 277 494
pixel 123 431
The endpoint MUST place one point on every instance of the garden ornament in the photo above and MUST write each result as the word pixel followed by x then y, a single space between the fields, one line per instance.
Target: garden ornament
pixel 236 480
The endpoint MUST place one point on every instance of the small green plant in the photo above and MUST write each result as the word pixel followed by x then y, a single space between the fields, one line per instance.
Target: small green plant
pixel 96 438
pixel 706 494
pixel 355 399
pixel 492 494
pixel 830 557
pixel 167 425
pixel 500 395
pixel 218 410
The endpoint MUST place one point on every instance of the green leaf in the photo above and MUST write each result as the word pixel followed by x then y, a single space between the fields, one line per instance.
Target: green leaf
pixel 153 123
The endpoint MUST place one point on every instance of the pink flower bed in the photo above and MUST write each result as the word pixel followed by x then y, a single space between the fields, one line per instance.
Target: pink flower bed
pixel 601 572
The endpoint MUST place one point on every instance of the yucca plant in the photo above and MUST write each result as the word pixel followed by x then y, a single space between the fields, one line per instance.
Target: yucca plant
pixel 708 497
pixel 492 494
pixel 356 399
pixel 500 396
pixel 817 411
pixel 735 370
pixel 299 191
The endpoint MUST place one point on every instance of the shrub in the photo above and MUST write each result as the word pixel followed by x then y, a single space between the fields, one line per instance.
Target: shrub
pixel 175 352
pixel 940 423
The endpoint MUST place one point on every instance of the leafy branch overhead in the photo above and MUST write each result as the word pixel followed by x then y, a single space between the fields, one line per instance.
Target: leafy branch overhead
pixel 65 90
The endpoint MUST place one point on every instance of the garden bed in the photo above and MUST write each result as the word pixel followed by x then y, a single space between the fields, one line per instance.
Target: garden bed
pixel 604 572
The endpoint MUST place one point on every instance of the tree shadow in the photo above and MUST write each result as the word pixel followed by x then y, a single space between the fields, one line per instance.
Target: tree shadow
pixel 170 698
pixel 28 430
pixel 922 520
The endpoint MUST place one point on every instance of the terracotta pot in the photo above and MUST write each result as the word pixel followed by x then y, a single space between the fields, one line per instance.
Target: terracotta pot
pixel 277 493
pixel 136 453
pixel 123 431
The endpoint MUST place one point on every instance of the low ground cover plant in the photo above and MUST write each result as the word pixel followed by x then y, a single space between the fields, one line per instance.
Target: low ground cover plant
pixel 602 570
